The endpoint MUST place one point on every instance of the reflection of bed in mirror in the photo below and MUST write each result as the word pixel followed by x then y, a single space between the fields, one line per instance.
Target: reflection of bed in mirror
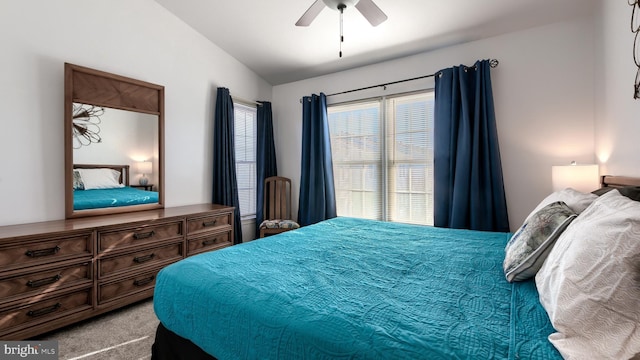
pixel 106 186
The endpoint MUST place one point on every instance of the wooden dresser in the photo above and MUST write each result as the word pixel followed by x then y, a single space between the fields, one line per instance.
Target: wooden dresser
pixel 56 273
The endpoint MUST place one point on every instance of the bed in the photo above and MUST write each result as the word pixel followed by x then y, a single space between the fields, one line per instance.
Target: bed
pixel 350 288
pixel 106 186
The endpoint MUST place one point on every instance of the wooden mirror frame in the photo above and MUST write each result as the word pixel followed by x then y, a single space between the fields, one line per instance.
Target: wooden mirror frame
pixel 94 87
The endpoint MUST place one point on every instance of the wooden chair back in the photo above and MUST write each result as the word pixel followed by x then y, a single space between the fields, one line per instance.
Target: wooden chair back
pixel 277 198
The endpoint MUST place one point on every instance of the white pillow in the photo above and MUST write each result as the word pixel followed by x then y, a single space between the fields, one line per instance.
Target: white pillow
pixel 589 282
pixel 576 200
pixel 102 178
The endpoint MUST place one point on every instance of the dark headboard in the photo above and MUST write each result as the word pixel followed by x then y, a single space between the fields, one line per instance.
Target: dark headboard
pixel 618 181
pixel 123 169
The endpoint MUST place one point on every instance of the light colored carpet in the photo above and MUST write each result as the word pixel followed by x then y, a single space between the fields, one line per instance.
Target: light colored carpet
pixel 123 334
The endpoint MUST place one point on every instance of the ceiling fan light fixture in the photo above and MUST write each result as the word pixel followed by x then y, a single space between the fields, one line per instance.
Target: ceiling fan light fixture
pixel 367 8
pixel 335 4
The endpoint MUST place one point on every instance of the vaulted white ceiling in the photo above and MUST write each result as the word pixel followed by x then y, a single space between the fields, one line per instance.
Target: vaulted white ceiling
pixel 261 33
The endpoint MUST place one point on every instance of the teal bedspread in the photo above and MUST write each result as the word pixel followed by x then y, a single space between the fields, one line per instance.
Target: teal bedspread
pixel 101 198
pixel 356 289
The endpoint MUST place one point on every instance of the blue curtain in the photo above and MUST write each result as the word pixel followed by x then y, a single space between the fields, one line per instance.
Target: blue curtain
pixel 265 157
pixel 317 192
pixel 225 184
pixel 468 183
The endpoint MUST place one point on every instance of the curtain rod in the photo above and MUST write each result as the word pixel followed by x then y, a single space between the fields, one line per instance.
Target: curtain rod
pixel 246 102
pixel 492 62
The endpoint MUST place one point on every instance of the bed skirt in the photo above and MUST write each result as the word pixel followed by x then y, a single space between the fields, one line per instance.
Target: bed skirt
pixel 169 346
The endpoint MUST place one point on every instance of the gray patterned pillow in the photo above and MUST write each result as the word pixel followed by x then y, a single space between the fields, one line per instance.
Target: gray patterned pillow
pixel 77 181
pixel 530 245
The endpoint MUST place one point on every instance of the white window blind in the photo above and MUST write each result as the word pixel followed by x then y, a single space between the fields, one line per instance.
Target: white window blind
pixel 383 158
pixel 356 147
pixel 245 127
pixel 410 159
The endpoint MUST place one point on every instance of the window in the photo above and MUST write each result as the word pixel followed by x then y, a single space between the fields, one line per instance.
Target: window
pixel 383 158
pixel 245 127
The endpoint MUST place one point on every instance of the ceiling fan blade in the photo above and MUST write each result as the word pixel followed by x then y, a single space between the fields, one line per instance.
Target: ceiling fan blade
pixel 371 12
pixel 311 13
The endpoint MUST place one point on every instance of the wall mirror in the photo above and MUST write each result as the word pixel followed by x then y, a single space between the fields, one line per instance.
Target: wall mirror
pixel 114 143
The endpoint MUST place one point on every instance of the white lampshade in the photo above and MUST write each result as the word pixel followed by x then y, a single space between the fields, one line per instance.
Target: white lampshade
pixel 579 177
pixel 145 167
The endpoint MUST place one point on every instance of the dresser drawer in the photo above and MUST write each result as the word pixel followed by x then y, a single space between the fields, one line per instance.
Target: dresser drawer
pixel 209 242
pixel 140 259
pixel 45 310
pixel 208 223
pixel 44 281
pixel 126 287
pixel 46 250
pixel 137 236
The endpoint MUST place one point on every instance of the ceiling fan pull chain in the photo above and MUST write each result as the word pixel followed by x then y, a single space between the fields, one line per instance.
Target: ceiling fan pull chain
pixel 341 8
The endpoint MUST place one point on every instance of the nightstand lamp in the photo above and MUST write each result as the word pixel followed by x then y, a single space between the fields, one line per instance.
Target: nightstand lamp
pixel 144 168
pixel 583 178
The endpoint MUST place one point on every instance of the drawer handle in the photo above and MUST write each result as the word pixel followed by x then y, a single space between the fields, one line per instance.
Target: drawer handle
pixel 141 259
pixel 42 252
pixel 44 311
pixel 146 235
pixel 209 223
pixel 209 241
pixel 42 282
pixel 143 282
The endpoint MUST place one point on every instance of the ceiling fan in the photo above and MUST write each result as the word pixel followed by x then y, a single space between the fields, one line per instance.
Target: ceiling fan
pixel 367 8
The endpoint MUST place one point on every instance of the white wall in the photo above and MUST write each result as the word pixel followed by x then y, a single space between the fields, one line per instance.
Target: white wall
pixel 138 39
pixel 617 113
pixel 543 93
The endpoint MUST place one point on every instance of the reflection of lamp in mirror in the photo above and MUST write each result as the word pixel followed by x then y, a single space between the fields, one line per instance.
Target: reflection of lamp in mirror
pixel 144 168
pixel 583 178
